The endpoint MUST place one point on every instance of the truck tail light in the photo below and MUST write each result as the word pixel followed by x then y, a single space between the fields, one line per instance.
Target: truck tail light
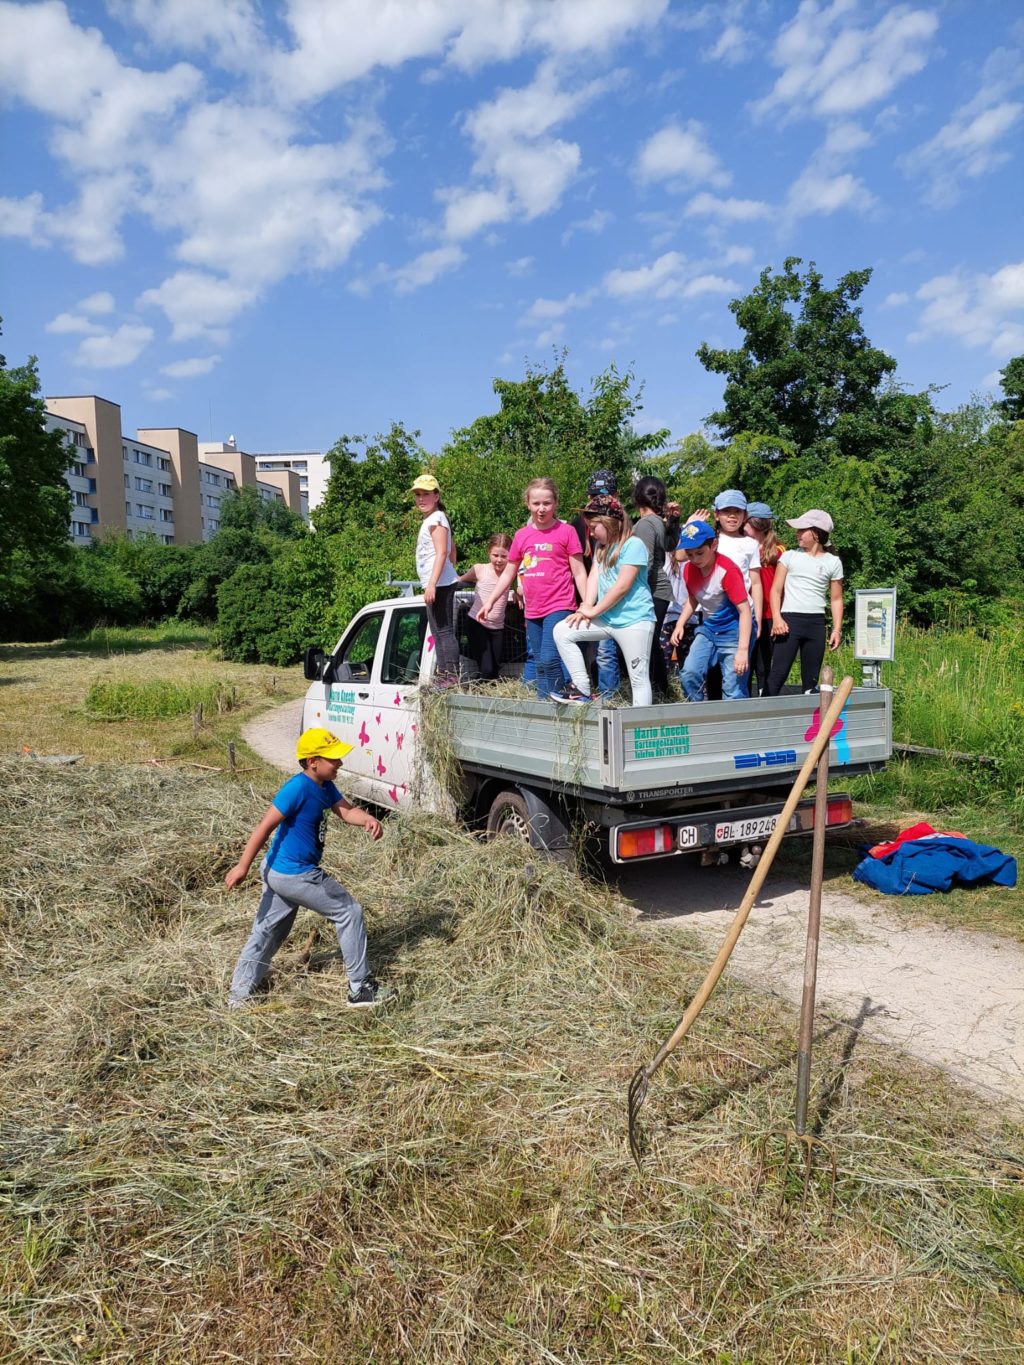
pixel 641 843
pixel 840 812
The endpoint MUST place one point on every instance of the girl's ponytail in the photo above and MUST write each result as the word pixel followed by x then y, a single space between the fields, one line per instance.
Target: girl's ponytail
pixel 650 492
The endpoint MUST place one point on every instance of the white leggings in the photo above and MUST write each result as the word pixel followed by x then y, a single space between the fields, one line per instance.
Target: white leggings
pixel 634 641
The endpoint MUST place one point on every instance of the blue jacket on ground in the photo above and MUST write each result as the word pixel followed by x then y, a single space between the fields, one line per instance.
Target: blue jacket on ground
pixel 921 866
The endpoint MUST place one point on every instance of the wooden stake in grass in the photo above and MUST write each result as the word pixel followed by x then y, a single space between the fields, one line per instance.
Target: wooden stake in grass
pixel 640 1083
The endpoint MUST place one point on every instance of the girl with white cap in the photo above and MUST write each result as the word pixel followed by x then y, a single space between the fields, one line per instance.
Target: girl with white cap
pixel 804 579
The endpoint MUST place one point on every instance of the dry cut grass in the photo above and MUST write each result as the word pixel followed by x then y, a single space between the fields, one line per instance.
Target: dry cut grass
pixel 446 1180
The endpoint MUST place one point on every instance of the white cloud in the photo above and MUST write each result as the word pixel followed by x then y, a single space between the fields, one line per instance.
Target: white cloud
pixel 734 45
pixel 706 205
pixel 25 218
pixel 895 300
pixel 230 28
pixel 831 67
pixel 190 369
pixel 198 304
pixel 595 223
pixel 101 302
pixel 522 265
pixel 977 310
pixel 339 43
pixel 708 284
pixel 737 255
pixel 415 274
pixel 65 323
pixel 524 168
pixel 811 193
pixel 114 349
pixel 678 152
pixel 969 144
pixel 243 188
pixel 662 278
pixel 156 393
pixel 542 310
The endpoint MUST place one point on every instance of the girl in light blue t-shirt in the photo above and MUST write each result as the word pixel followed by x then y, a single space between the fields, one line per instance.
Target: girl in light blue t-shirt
pixel 618 604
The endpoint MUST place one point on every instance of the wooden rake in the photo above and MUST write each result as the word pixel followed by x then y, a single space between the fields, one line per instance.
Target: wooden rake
pixel 640 1084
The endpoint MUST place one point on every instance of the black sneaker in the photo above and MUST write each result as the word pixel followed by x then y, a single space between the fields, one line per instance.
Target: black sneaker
pixel 368 996
pixel 571 696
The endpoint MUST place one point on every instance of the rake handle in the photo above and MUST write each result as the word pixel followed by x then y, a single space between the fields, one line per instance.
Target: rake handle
pixel 757 880
pixel 806 1035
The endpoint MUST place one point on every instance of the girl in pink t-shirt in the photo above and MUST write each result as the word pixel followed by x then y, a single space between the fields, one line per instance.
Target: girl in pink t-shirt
pixel 487 638
pixel 551 556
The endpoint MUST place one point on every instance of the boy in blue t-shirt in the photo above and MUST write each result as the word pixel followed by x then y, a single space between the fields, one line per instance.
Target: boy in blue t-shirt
pixel 292 875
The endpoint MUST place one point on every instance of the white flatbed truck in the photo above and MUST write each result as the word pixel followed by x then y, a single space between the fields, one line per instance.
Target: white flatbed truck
pixel 650 782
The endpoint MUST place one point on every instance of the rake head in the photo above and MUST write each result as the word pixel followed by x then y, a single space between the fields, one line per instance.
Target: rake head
pixel 635 1097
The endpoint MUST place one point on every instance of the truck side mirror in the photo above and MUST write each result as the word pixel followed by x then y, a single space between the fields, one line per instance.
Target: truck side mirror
pixel 313 663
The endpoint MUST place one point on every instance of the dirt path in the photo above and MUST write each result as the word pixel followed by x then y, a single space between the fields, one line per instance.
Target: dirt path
pixel 273 734
pixel 950 998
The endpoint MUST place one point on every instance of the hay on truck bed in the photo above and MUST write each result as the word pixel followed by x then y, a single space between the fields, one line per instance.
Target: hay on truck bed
pixel 448 1179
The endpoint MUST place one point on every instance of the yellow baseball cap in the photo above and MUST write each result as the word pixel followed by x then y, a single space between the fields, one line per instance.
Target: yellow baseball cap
pixel 320 743
pixel 426 483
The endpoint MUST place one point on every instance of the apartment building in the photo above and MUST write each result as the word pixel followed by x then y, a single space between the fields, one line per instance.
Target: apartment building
pixel 162 482
pixel 312 467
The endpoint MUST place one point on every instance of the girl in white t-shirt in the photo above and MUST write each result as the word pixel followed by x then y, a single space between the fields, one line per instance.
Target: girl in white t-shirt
pixel 487 638
pixel 805 579
pixel 438 577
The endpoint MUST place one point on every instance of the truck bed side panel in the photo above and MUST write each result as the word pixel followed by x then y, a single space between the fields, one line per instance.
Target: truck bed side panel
pixel 642 749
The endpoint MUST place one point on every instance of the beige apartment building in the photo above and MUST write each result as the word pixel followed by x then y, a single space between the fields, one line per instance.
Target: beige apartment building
pixel 161 482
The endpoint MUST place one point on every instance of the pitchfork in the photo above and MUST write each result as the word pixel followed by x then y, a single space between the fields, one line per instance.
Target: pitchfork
pixel 640 1084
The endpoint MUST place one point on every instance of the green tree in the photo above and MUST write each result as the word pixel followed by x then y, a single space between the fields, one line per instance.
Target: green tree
pixel 370 486
pixel 542 427
pixel 245 510
pixel 35 503
pixel 1011 406
pixel 805 373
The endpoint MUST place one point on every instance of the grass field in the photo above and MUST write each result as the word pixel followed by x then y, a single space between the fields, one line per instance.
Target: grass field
pixel 447 1180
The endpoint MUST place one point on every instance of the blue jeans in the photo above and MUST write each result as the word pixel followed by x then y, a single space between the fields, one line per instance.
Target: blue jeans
pixel 706 651
pixel 540 634
pixel 608 674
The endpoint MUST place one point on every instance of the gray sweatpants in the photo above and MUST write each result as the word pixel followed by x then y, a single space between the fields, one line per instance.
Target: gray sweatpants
pixel 280 903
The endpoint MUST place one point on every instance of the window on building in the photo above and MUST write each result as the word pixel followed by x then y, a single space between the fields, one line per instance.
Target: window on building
pixel 124 452
pixel 163 464
pixel 166 514
pixel 164 489
pixel 168 540
pixel 141 510
pixel 128 509
pixel 211 501
pixel 80 499
pixel 143 485
pixel 127 481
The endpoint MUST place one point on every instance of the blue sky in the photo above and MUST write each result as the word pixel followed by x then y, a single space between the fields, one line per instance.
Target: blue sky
pixel 289 221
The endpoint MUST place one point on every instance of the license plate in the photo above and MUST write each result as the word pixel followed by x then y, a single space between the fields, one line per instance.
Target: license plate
pixel 742 831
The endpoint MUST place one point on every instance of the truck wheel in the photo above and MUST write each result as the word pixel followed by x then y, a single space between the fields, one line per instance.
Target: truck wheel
pixel 509 816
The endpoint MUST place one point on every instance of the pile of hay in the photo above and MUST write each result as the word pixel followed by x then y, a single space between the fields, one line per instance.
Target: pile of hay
pixel 446 1179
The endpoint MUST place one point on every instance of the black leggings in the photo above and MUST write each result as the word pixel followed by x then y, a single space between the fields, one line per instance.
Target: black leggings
pixel 761 660
pixel 806 636
pixel 659 673
pixel 486 647
pixel 441 619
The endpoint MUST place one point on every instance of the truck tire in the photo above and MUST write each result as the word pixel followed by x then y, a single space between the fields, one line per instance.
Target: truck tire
pixel 509 816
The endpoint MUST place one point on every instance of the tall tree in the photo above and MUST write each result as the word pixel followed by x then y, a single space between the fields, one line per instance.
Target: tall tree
pixel 1011 406
pixel 805 373
pixel 35 503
